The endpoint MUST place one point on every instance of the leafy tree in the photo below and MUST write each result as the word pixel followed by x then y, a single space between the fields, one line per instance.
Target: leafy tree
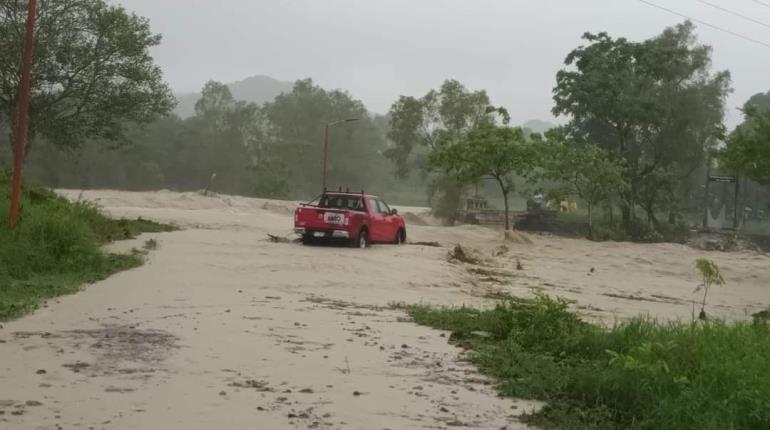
pixel 419 126
pixel 215 105
pixel 760 101
pixel 748 146
pixel 655 105
pixel 269 151
pixel 433 120
pixel 296 130
pixel 271 177
pixel 585 171
pixel 93 74
pixel 488 151
pixel 227 137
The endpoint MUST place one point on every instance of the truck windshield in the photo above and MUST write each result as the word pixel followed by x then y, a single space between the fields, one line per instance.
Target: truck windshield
pixel 342 202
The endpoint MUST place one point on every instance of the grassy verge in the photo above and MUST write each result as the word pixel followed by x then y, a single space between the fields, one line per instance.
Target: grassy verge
pixel 640 374
pixel 57 248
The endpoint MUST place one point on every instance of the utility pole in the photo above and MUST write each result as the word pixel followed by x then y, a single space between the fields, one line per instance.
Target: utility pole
pixel 22 112
pixel 706 194
pixel 736 221
pixel 326 146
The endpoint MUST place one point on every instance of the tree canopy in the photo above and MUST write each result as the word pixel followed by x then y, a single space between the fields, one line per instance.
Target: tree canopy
pixel 654 104
pixel 93 74
pixel 488 152
pixel 748 147
pixel 586 171
pixel 421 126
pixel 271 150
pixel 296 123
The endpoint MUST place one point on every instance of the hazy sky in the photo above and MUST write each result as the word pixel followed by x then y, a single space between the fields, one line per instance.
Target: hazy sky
pixel 380 49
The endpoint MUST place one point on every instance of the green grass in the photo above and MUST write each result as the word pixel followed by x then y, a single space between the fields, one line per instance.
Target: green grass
pixel 56 248
pixel 640 374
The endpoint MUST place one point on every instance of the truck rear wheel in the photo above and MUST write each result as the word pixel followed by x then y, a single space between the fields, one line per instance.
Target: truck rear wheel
pixel 363 239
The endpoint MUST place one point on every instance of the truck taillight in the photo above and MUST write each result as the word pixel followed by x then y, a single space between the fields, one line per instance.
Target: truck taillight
pixel 347 219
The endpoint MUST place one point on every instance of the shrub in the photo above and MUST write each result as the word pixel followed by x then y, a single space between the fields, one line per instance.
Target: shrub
pixel 640 374
pixel 57 247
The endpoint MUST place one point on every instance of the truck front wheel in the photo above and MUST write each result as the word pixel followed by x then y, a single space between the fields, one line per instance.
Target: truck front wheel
pixel 400 237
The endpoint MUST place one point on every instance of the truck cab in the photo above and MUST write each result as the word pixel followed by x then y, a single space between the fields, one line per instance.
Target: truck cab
pixel 356 218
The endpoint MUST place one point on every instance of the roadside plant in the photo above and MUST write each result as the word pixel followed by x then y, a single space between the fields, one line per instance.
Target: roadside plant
pixel 711 276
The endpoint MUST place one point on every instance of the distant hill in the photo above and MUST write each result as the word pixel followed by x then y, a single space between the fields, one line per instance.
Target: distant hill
pixel 257 89
pixel 538 126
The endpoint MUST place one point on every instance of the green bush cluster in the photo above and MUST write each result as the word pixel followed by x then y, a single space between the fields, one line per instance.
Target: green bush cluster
pixel 56 248
pixel 639 374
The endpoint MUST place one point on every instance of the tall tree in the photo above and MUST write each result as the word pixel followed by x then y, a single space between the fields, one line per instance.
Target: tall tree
pixel 433 120
pixel 488 151
pixel 215 104
pixel 653 104
pixel 419 126
pixel 296 126
pixel 585 171
pixel 748 147
pixel 227 138
pixel 93 74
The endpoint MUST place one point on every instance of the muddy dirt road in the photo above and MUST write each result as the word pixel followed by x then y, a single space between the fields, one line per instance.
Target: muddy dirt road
pixel 224 329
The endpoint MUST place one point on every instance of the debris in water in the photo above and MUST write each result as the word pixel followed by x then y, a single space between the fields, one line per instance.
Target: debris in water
pixel 464 255
pixel 433 244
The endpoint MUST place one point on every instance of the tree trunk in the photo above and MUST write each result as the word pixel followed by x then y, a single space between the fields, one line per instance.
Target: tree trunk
pixel 652 220
pixel 589 206
pixel 736 220
pixel 507 216
pixel 745 200
pixel 706 190
pixel 625 212
pixel 505 192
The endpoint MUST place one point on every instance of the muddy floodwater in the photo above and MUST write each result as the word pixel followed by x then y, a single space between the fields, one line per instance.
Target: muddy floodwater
pixel 223 327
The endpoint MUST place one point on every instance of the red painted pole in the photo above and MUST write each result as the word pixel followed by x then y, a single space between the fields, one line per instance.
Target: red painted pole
pixel 22 113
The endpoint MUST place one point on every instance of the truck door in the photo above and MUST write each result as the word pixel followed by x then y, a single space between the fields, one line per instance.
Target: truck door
pixel 378 225
pixel 391 222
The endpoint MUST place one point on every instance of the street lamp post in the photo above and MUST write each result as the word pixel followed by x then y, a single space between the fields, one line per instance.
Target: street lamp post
pixel 326 145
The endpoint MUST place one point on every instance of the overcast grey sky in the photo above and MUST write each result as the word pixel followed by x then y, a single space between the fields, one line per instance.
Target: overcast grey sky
pixel 380 49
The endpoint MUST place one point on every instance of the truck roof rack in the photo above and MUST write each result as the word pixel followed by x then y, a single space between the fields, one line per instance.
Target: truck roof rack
pixel 347 191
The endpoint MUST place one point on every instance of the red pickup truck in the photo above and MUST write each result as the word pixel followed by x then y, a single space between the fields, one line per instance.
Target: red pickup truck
pixel 356 218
